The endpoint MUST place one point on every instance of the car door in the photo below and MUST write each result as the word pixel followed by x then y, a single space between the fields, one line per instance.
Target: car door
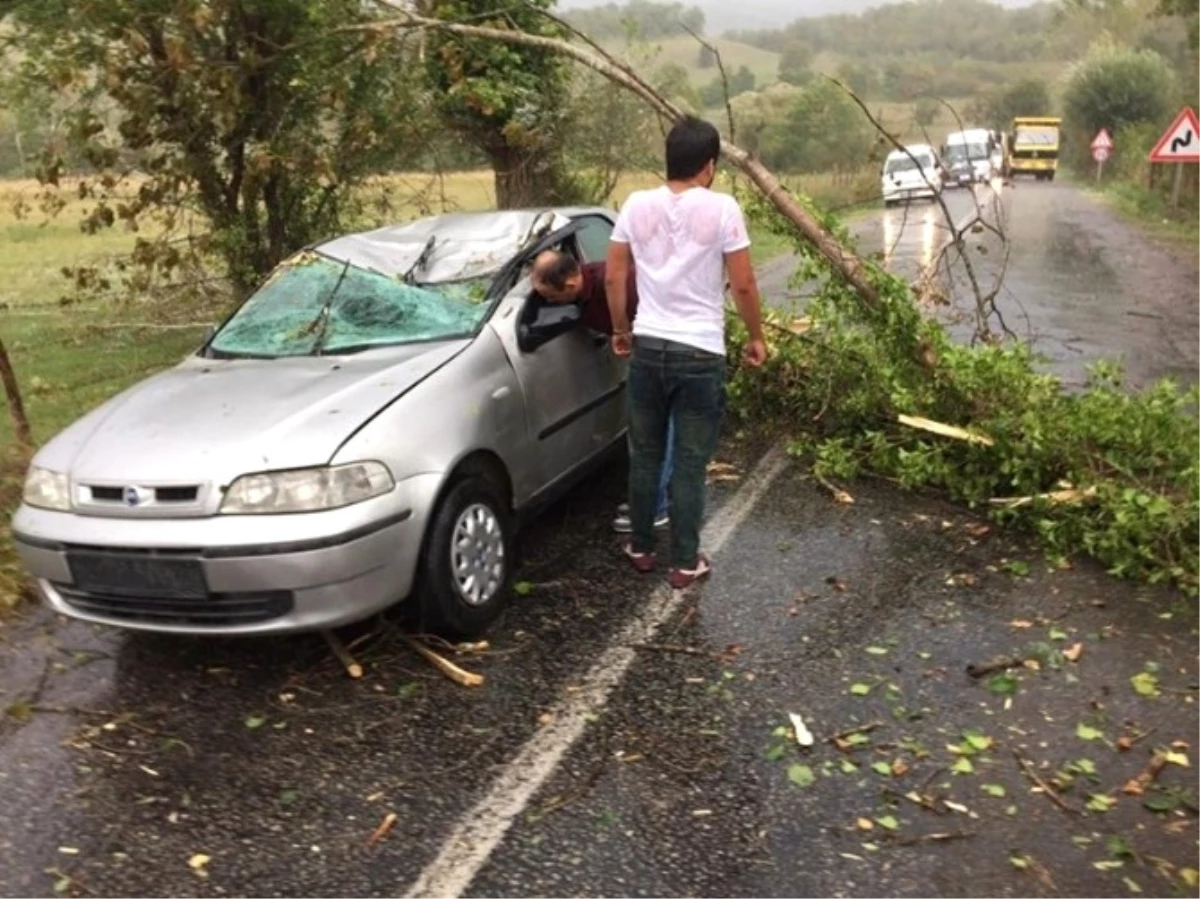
pixel 572 385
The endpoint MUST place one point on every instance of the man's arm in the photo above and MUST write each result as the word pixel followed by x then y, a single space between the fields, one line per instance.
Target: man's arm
pixel 745 291
pixel 616 275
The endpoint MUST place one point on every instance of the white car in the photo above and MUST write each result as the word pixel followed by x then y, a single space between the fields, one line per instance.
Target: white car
pixel 910 174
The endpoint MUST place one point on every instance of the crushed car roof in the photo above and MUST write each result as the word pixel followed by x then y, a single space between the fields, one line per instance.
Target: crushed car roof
pixel 464 244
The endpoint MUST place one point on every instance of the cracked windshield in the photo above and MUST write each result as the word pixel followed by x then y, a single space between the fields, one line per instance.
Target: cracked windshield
pixel 315 304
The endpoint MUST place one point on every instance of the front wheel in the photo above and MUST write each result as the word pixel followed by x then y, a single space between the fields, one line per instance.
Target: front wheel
pixel 468 560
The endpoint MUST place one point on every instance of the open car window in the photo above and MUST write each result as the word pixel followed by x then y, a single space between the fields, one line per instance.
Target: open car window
pixel 314 304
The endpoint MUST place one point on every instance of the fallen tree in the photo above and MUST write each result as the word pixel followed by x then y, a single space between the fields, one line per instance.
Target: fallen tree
pixel 868 355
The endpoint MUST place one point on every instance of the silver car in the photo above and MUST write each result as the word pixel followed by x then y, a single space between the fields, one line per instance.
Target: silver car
pixel 371 424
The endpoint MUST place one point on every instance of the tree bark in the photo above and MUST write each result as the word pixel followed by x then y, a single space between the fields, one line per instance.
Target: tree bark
pixel 16 408
pixel 523 177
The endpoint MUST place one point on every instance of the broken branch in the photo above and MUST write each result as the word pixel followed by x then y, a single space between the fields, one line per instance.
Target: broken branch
pixel 847 264
pixel 1072 495
pixel 381 831
pixel 940 837
pixel 443 664
pixel 944 430
pixel 850 731
pixel 1043 786
pixel 1137 786
pixel 339 649
pixel 1001 663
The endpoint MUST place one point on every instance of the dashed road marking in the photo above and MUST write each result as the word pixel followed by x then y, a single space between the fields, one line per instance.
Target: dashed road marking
pixel 477 834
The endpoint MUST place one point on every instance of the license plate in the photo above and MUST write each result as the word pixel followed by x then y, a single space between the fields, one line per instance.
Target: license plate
pixel 130 575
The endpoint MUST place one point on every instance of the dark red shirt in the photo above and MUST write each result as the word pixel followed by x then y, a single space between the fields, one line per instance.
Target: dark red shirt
pixel 593 298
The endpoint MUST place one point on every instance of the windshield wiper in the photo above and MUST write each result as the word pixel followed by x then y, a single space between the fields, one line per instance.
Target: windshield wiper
pixel 323 316
pixel 409 277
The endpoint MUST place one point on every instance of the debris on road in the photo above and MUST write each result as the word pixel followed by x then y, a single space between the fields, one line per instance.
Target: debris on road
pixel 1137 786
pixel 1048 790
pixel 443 664
pixel 343 655
pixel 199 864
pixel 839 495
pixel 388 822
pixel 803 735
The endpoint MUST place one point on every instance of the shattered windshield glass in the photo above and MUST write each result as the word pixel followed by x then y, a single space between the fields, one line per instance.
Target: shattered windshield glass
pixel 314 304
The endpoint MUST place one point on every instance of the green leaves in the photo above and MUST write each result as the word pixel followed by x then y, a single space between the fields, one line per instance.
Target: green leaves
pixel 801 775
pixel 1087 732
pixel 860 689
pixel 1145 684
pixel 996 791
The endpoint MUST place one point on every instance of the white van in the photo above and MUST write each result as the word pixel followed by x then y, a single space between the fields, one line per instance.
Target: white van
pixel 968 156
pixel 912 173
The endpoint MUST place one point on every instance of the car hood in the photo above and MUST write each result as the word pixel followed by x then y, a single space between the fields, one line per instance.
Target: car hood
pixel 211 420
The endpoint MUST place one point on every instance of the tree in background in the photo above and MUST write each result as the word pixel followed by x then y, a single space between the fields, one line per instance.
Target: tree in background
pixel 706 58
pixel 741 82
pixel 925 111
pixel 1113 87
pixel 257 117
pixel 997 109
pixel 822 130
pixel 861 77
pixel 638 18
pixel 509 101
pixel 795 63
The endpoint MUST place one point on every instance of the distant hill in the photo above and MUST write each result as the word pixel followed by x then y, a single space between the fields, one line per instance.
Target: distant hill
pixel 685 51
pixel 743 15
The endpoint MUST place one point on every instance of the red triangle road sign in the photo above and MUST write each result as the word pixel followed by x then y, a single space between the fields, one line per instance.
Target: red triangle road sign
pixel 1180 142
pixel 1102 141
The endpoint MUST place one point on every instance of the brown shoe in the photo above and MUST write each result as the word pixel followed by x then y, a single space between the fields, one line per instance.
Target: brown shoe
pixel 682 578
pixel 643 562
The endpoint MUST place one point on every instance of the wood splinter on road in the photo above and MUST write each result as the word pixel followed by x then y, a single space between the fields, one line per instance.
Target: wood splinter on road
pixel 388 822
pixel 443 664
pixel 352 667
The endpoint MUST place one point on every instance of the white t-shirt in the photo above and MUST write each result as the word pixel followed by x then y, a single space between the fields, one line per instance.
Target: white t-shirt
pixel 679 242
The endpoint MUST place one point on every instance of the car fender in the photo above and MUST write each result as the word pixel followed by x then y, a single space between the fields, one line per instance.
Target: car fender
pixel 472 404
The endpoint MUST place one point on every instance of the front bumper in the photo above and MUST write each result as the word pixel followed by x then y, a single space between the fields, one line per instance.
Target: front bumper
pixel 260 574
pixel 899 194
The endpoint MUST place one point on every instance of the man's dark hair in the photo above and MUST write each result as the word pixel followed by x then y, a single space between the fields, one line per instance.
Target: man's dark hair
pixel 691 144
pixel 554 268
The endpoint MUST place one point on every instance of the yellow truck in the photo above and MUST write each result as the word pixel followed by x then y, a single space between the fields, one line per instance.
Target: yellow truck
pixel 1033 147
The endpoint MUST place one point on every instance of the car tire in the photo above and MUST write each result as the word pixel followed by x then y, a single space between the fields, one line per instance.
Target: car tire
pixel 468 561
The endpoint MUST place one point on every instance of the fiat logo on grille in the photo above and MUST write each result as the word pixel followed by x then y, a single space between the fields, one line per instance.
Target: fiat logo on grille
pixel 133 496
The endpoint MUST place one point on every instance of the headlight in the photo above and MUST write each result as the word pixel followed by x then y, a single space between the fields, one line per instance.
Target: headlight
pixel 306 489
pixel 46 489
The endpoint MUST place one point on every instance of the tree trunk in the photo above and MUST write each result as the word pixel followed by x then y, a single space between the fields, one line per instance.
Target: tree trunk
pixel 523 177
pixel 16 408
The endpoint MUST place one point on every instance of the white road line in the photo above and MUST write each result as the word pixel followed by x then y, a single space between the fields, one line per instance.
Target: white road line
pixel 472 841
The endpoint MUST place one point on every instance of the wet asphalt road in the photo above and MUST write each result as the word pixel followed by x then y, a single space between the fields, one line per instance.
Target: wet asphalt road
pixel 122 757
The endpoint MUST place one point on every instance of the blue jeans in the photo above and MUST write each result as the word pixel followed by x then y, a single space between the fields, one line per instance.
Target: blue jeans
pixel 676 396
pixel 664 482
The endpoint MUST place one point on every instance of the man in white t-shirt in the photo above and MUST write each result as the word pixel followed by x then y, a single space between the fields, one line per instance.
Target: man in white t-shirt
pixel 684 238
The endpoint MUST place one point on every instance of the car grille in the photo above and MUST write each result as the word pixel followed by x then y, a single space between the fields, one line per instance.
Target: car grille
pixel 183 494
pixel 213 610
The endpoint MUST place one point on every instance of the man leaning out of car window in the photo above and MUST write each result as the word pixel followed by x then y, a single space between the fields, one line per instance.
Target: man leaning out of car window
pixel 559 278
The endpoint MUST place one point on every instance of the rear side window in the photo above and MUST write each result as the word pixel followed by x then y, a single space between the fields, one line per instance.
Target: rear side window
pixel 593 238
